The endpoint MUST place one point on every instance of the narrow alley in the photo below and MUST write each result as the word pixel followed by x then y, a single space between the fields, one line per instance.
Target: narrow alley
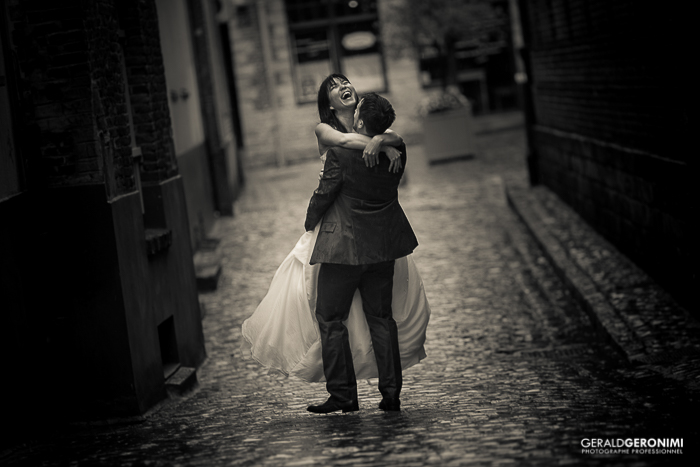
pixel 515 374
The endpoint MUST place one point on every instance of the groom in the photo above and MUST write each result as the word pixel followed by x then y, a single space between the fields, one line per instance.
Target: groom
pixel 364 230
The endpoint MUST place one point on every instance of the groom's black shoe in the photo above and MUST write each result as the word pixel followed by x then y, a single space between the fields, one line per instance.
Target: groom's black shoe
pixel 333 406
pixel 390 405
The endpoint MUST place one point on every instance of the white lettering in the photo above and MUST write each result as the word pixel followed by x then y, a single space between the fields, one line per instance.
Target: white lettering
pixel 648 445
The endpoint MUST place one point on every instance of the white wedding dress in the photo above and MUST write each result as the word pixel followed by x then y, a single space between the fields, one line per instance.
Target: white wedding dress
pixel 282 334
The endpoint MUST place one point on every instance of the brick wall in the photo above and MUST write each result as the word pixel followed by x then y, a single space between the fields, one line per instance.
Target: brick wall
pixel 72 98
pixel 51 48
pixel 147 89
pixel 108 96
pixel 610 129
pixel 73 92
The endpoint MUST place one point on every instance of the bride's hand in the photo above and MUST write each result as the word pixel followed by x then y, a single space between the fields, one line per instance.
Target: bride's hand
pixel 394 156
pixel 371 152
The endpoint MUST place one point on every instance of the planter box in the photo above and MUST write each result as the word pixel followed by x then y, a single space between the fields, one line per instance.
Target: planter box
pixel 449 136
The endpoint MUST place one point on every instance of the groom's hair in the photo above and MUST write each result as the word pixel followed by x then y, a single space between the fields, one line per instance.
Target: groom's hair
pixel 377 113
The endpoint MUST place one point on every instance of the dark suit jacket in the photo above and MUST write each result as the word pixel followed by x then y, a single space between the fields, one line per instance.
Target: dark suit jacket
pixel 363 222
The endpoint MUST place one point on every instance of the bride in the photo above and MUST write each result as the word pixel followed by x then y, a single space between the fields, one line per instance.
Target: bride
pixel 282 334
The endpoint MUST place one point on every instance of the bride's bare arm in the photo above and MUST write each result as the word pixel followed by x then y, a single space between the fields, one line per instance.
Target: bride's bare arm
pixel 390 138
pixel 328 136
pixel 387 143
pixel 371 147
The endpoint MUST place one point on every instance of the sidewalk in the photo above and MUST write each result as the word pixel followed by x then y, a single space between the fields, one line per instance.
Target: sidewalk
pixel 626 306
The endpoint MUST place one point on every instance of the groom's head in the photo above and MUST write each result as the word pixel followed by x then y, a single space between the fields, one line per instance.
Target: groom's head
pixel 373 115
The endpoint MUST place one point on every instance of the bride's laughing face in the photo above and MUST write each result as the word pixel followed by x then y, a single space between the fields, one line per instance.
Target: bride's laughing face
pixel 342 95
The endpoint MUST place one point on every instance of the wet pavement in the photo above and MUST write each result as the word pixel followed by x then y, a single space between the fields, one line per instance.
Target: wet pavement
pixel 516 373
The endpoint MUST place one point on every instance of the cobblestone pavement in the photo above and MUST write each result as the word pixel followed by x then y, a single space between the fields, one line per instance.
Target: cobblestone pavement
pixel 515 373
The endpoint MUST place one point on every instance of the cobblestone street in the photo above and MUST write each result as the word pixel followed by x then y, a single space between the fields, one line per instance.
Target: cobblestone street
pixel 515 373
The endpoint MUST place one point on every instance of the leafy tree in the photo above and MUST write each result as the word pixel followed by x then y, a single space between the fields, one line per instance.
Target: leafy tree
pixel 443 24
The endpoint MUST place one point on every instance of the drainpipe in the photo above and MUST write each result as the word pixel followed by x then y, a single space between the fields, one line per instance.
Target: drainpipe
pixel 523 42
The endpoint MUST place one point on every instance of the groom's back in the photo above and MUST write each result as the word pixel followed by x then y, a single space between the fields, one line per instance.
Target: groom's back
pixel 374 184
pixel 366 223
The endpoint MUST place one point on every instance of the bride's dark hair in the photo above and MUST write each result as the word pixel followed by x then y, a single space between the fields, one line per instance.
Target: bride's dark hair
pixel 324 102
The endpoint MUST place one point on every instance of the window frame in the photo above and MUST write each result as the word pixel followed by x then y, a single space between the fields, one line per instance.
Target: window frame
pixel 332 24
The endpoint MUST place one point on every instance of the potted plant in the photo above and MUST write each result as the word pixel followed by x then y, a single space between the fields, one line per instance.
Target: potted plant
pixel 441 25
pixel 447 126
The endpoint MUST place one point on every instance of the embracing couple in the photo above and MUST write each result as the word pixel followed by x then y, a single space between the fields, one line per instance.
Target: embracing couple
pixel 348 301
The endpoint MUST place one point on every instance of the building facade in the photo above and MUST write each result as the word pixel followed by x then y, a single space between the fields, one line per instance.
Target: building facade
pixel 97 283
pixel 609 128
pixel 284 48
pixel 203 109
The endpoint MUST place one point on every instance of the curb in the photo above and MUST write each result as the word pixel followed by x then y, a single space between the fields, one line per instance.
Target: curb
pixel 638 336
pixel 207 265
pixel 181 382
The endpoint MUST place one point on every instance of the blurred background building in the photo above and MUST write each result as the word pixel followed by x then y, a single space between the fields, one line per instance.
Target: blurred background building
pixel 284 48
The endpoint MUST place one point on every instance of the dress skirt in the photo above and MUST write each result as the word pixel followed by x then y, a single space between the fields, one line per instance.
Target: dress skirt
pixel 282 334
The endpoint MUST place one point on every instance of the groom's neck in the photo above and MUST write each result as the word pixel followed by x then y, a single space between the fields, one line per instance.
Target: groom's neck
pixel 363 131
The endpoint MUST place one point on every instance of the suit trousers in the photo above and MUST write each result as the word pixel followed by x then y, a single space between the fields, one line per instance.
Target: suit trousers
pixel 336 286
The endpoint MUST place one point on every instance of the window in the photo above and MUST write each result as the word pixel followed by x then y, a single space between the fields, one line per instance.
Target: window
pixel 469 56
pixel 335 36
